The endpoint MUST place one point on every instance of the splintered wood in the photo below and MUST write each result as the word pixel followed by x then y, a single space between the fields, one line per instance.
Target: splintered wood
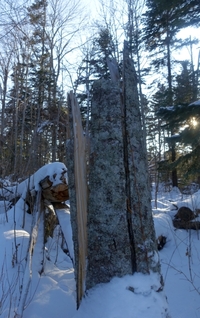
pixel 77 174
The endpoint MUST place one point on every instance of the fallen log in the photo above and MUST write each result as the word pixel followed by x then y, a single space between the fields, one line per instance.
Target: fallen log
pixel 54 193
pixel 185 219
pixel 185 214
pixel 193 225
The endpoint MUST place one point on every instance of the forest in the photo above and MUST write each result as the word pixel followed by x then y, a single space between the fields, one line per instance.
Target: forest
pixel 99 116
pixel 51 47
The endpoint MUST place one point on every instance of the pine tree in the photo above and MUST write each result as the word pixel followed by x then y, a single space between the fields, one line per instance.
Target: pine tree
pixel 182 118
pixel 163 20
pixel 48 100
pixel 94 66
pixel 36 109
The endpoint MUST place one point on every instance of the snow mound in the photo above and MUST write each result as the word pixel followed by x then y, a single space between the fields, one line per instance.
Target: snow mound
pixel 113 300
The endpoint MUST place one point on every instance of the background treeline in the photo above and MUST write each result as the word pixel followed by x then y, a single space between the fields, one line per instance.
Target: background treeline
pixel 35 39
pixel 50 47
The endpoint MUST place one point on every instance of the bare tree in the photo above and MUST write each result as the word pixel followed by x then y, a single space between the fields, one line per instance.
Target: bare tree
pixel 64 24
pixel 5 66
pixel 37 135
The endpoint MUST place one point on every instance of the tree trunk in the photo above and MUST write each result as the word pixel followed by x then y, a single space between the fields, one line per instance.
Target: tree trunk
pixel 173 149
pixel 137 180
pixel 174 171
pixel 121 238
pixel 120 231
pixel 109 253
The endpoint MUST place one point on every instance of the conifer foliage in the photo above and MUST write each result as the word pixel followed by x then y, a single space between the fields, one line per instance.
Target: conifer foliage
pixel 163 20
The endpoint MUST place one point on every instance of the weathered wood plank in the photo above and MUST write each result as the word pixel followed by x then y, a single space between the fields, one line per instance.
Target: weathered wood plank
pixel 78 193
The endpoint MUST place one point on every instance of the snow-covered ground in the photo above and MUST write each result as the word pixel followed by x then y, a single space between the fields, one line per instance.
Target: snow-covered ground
pixel 46 283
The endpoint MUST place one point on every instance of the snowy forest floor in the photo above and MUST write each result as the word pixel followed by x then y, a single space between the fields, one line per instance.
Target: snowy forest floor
pixel 46 281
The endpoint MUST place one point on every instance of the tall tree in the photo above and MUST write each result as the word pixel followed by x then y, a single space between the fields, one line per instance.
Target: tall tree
pixel 94 66
pixel 163 20
pixel 41 36
pixel 134 32
pixel 183 118
pixel 5 66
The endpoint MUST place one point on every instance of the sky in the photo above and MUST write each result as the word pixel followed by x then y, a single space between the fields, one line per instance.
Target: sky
pixel 51 292
pixel 185 53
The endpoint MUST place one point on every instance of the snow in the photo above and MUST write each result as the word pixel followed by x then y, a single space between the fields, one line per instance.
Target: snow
pixel 130 296
pixel 42 125
pixel 175 136
pixel 170 108
pixel 51 292
pixel 196 103
pixel 54 170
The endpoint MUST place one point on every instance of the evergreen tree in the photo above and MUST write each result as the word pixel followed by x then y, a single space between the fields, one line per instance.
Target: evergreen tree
pixel 94 66
pixel 134 30
pixel 186 86
pixel 48 100
pixel 36 109
pixel 163 20
pixel 182 118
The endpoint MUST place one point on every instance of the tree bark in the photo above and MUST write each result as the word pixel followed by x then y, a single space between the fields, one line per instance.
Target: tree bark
pixel 121 237
pixel 109 253
pixel 140 220
pixel 120 231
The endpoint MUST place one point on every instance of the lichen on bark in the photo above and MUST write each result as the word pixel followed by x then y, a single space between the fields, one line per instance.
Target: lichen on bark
pixel 121 237
pixel 120 229
pixel 108 250
pixel 139 196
